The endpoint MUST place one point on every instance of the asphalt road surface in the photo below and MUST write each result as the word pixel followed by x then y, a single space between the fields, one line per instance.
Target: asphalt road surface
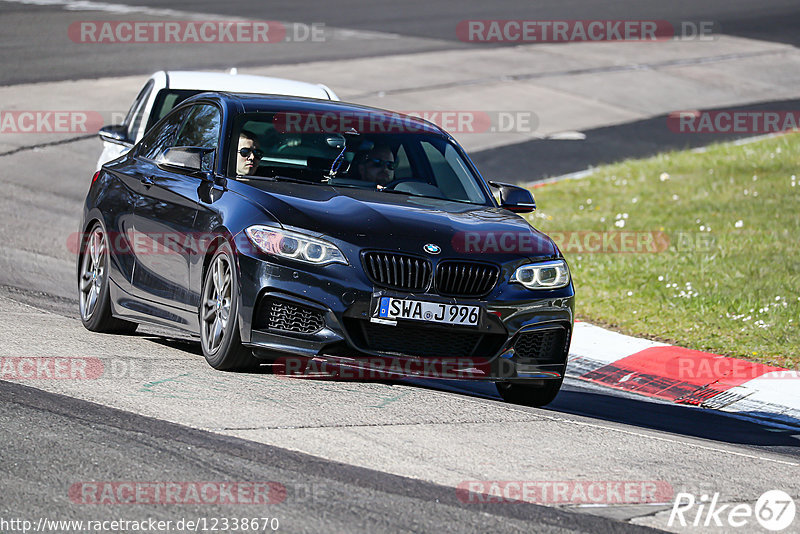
pixel 35 48
pixel 360 456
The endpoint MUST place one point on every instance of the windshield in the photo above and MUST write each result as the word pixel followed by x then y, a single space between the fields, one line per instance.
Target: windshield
pixel 416 163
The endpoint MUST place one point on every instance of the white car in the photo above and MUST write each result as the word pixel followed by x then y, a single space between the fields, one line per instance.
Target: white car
pixel 165 89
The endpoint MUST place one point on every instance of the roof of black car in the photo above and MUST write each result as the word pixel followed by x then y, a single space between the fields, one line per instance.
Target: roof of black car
pixel 253 103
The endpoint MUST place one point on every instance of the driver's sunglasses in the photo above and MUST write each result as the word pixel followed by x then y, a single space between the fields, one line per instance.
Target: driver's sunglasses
pixel 245 152
pixel 391 165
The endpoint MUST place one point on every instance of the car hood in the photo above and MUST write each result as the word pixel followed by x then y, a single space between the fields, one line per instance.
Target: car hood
pixel 380 220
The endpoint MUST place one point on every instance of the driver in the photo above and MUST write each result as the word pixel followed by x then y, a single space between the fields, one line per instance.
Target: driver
pixel 248 155
pixel 377 166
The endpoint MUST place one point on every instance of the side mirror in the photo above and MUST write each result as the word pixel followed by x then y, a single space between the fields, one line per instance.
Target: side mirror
pixel 115 133
pixel 514 198
pixel 184 158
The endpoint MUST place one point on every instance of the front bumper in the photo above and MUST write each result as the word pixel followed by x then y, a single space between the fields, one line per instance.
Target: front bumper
pixel 330 318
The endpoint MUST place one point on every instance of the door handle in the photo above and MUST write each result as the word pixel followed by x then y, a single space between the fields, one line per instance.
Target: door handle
pixel 147 181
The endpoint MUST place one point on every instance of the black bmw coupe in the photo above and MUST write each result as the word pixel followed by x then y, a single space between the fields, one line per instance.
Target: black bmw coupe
pixel 276 227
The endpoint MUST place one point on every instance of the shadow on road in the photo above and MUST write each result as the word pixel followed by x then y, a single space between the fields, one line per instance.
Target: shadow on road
pixel 602 405
pixel 642 412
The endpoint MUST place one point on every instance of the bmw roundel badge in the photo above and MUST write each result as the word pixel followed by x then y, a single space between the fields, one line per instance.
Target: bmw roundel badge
pixel 430 248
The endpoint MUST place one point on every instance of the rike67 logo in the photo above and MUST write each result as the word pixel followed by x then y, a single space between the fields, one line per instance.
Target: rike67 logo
pixel 774 510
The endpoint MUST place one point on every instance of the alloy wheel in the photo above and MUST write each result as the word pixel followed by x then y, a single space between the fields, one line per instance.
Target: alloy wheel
pixel 217 304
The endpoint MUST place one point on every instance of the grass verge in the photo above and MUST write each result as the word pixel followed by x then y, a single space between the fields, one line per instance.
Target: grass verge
pixel 698 249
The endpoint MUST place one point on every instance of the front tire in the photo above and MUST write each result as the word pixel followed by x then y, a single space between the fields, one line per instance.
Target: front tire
pixel 219 316
pixel 93 292
pixel 527 395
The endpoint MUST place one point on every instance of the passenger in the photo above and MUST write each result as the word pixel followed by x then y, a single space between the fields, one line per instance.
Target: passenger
pixel 248 155
pixel 377 165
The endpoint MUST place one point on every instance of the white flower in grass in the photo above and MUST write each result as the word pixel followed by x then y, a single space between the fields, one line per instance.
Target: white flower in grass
pixel 620 223
pixel 738 224
pixel 660 278
pixel 630 293
pixel 675 197
pixel 664 177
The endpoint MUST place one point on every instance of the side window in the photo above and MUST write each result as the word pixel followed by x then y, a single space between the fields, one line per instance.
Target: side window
pixel 135 114
pixel 201 129
pixel 163 137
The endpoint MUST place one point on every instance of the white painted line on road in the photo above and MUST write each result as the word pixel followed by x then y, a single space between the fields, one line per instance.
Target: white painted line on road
pixel 567 136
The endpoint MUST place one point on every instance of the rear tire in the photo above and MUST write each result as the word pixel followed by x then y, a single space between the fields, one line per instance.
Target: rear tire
pixel 93 293
pixel 219 316
pixel 527 395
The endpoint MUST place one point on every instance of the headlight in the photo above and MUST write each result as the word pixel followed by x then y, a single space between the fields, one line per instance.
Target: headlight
pixel 294 245
pixel 545 275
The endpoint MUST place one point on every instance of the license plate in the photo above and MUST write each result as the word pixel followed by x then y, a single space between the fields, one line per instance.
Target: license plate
pixel 431 312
